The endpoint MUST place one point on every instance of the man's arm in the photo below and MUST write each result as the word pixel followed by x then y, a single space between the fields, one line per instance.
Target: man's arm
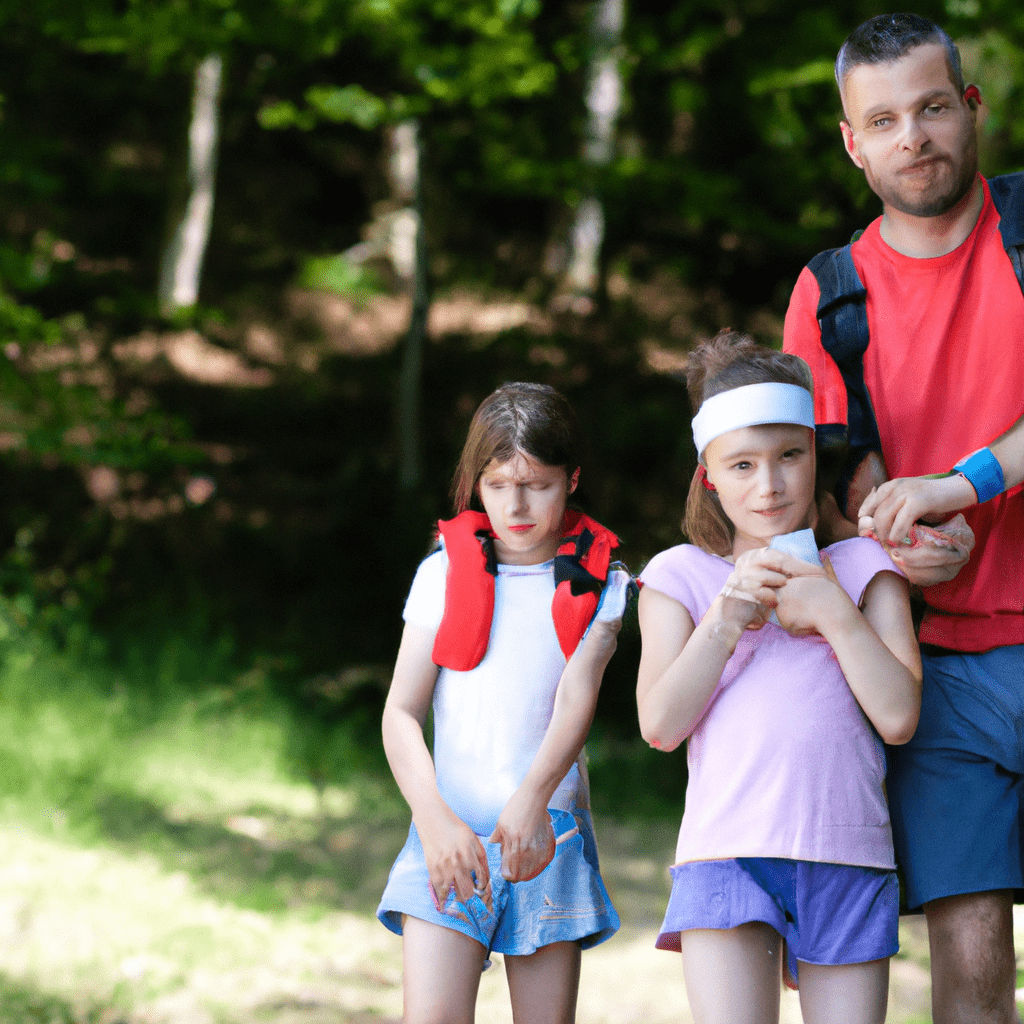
pixel 898 504
pixel 1009 450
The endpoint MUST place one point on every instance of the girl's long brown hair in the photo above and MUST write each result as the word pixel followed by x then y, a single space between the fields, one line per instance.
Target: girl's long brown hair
pixel 532 419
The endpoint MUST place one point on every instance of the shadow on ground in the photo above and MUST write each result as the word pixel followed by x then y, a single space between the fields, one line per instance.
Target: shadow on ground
pixel 262 859
pixel 22 1005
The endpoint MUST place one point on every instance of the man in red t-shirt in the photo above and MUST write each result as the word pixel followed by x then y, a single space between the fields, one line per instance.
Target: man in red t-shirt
pixel 944 371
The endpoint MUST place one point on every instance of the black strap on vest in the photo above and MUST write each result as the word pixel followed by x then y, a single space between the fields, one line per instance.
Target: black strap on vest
pixel 1008 195
pixel 842 316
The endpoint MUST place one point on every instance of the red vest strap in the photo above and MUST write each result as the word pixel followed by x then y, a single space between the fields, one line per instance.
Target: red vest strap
pixel 461 639
pixel 581 568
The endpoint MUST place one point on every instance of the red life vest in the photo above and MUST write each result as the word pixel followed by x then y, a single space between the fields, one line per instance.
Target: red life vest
pixel 581 568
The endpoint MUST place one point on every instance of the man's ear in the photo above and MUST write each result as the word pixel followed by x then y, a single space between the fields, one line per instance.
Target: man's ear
pixel 850 144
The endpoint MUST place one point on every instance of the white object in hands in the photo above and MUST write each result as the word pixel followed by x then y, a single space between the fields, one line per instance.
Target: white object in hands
pixel 800 544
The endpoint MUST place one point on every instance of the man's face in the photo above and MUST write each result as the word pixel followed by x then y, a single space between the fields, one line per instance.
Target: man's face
pixel 911 132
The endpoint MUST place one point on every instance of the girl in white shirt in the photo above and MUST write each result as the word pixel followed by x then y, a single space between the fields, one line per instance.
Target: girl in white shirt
pixel 509 626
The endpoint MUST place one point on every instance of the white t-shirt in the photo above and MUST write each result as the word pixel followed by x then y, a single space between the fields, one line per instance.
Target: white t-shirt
pixel 489 722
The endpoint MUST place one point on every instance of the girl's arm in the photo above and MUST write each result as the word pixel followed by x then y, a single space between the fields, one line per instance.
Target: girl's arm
pixel 681 664
pixel 451 849
pixel 524 827
pixel 875 647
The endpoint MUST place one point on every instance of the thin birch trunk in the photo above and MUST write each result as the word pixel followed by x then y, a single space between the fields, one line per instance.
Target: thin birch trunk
pixel 409 257
pixel 604 103
pixel 182 263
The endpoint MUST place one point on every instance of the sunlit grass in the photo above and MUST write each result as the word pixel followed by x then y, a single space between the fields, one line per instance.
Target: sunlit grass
pixel 165 855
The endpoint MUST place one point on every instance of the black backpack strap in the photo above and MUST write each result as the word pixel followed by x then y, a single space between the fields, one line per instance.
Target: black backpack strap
pixel 1008 196
pixel 843 318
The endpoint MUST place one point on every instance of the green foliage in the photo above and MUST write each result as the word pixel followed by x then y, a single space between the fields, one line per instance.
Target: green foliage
pixel 92 716
pixel 436 54
pixel 339 275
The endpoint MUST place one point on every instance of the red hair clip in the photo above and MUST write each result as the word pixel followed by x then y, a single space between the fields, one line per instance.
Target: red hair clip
pixel 702 476
pixel 972 93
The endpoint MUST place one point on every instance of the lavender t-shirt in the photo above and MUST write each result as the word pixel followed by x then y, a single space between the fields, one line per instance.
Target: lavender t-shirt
pixel 783 763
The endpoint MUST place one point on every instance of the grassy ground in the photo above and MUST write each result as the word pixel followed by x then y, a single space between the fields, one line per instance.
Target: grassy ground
pixel 164 860
pixel 112 931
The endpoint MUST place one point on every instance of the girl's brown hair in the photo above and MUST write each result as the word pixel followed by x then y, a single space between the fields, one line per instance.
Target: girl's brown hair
pixel 729 360
pixel 518 418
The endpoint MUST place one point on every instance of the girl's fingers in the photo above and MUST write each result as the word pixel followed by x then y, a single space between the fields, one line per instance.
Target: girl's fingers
pixel 826 564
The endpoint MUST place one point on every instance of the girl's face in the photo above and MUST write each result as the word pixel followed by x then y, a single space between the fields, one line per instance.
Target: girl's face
pixel 525 502
pixel 764 476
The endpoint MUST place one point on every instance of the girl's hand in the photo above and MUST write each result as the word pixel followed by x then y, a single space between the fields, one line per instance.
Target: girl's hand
pixel 455 860
pixel 805 599
pixel 615 595
pixel 751 592
pixel 526 836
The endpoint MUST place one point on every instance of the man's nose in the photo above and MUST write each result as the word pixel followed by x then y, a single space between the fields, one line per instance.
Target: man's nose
pixel 913 137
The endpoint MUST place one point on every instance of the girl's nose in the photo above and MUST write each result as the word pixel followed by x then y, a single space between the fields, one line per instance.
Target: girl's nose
pixel 770 480
pixel 517 499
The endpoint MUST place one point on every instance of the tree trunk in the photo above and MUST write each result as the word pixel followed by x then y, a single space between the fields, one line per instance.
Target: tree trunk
pixel 182 262
pixel 604 103
pixel 409 258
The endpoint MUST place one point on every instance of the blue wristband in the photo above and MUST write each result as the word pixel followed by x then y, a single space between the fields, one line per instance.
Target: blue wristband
pixel 983 472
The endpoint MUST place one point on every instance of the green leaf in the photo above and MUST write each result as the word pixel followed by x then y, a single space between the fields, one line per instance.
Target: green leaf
pixel 348 104
pixel 814 73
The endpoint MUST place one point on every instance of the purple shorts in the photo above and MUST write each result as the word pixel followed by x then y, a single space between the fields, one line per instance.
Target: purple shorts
pixel 827 913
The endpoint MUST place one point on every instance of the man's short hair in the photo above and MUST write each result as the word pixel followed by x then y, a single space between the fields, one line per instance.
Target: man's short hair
pixel 888 37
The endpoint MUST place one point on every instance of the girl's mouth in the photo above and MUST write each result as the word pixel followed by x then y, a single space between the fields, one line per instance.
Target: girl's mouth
pixel 522 528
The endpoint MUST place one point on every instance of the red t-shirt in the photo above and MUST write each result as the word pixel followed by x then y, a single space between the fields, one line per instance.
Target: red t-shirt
pixel 945 372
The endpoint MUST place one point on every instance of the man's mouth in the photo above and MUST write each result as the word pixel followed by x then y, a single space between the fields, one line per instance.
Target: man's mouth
pixel 920 166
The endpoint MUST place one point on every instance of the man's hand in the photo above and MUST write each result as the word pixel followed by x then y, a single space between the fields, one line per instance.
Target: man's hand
pixel 897 504
pixel 930 554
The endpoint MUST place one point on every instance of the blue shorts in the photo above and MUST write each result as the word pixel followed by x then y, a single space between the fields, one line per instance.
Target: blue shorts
pixel 827 913
pixel 956 793
pixel 566 902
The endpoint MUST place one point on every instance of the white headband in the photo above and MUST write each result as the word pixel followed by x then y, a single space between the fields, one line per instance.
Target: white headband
pixel 751 406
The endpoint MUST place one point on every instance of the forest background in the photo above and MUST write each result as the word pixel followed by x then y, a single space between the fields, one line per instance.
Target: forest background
pixel 259 262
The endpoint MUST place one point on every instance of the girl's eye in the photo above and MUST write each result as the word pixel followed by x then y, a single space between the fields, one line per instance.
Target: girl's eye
pixel 793 453
pixel 742 465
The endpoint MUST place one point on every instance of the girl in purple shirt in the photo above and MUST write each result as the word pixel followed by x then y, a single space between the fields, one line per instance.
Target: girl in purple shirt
pixel 785 669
